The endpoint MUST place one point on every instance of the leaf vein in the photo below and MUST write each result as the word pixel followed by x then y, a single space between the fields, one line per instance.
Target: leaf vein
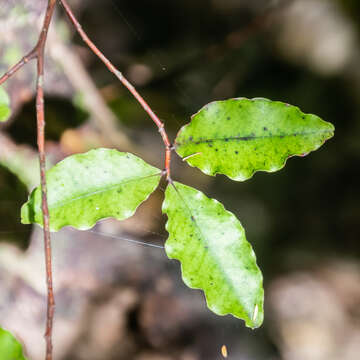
pixel 251 137
pixel 66 202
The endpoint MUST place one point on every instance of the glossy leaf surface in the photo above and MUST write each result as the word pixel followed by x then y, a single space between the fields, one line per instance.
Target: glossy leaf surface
pixel 4 105
pixel 85 188
pixel 215 256
pixel 238 137
pixel 10 348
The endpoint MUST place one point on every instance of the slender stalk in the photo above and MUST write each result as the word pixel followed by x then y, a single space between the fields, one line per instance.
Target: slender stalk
pixel 40 117
pixel 38 53
pixel 30 56
pixel 125 82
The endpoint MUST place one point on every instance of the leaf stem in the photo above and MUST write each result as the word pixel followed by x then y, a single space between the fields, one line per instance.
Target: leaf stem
pixel 38 53
pixel 125 82
pixel 30 56
pixel 40 117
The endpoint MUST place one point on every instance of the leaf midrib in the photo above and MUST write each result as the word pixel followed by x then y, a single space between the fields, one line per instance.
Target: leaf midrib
pixel 109 188
pixel 228 280
pixel 251 137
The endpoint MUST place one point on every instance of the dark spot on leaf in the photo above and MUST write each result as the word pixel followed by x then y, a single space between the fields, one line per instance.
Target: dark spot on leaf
pixel 228 118
pixel 226 139
pixel 191 138
pixel 192 218
pixel 216 149
pixel 236 152
pixel 265 128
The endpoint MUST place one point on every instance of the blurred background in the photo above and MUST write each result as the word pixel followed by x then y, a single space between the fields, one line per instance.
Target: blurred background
pixel 117 294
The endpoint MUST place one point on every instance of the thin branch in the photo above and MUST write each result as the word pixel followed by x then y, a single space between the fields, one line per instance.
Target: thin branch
pixel 38 53
pixel 102 118
pixel 30 56
pixel 125 82
pixel 40 117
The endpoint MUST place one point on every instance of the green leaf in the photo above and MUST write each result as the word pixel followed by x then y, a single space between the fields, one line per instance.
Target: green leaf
pixel 214 253
pixel 4 105
pixel 85 188
pixel 238 137
pixel 10 348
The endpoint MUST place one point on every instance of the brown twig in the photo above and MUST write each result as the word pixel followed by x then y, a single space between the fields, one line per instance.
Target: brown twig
pixel 102 118
pixel 30 56
pixel 38 54
pixel 40 116
pixel 126 83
